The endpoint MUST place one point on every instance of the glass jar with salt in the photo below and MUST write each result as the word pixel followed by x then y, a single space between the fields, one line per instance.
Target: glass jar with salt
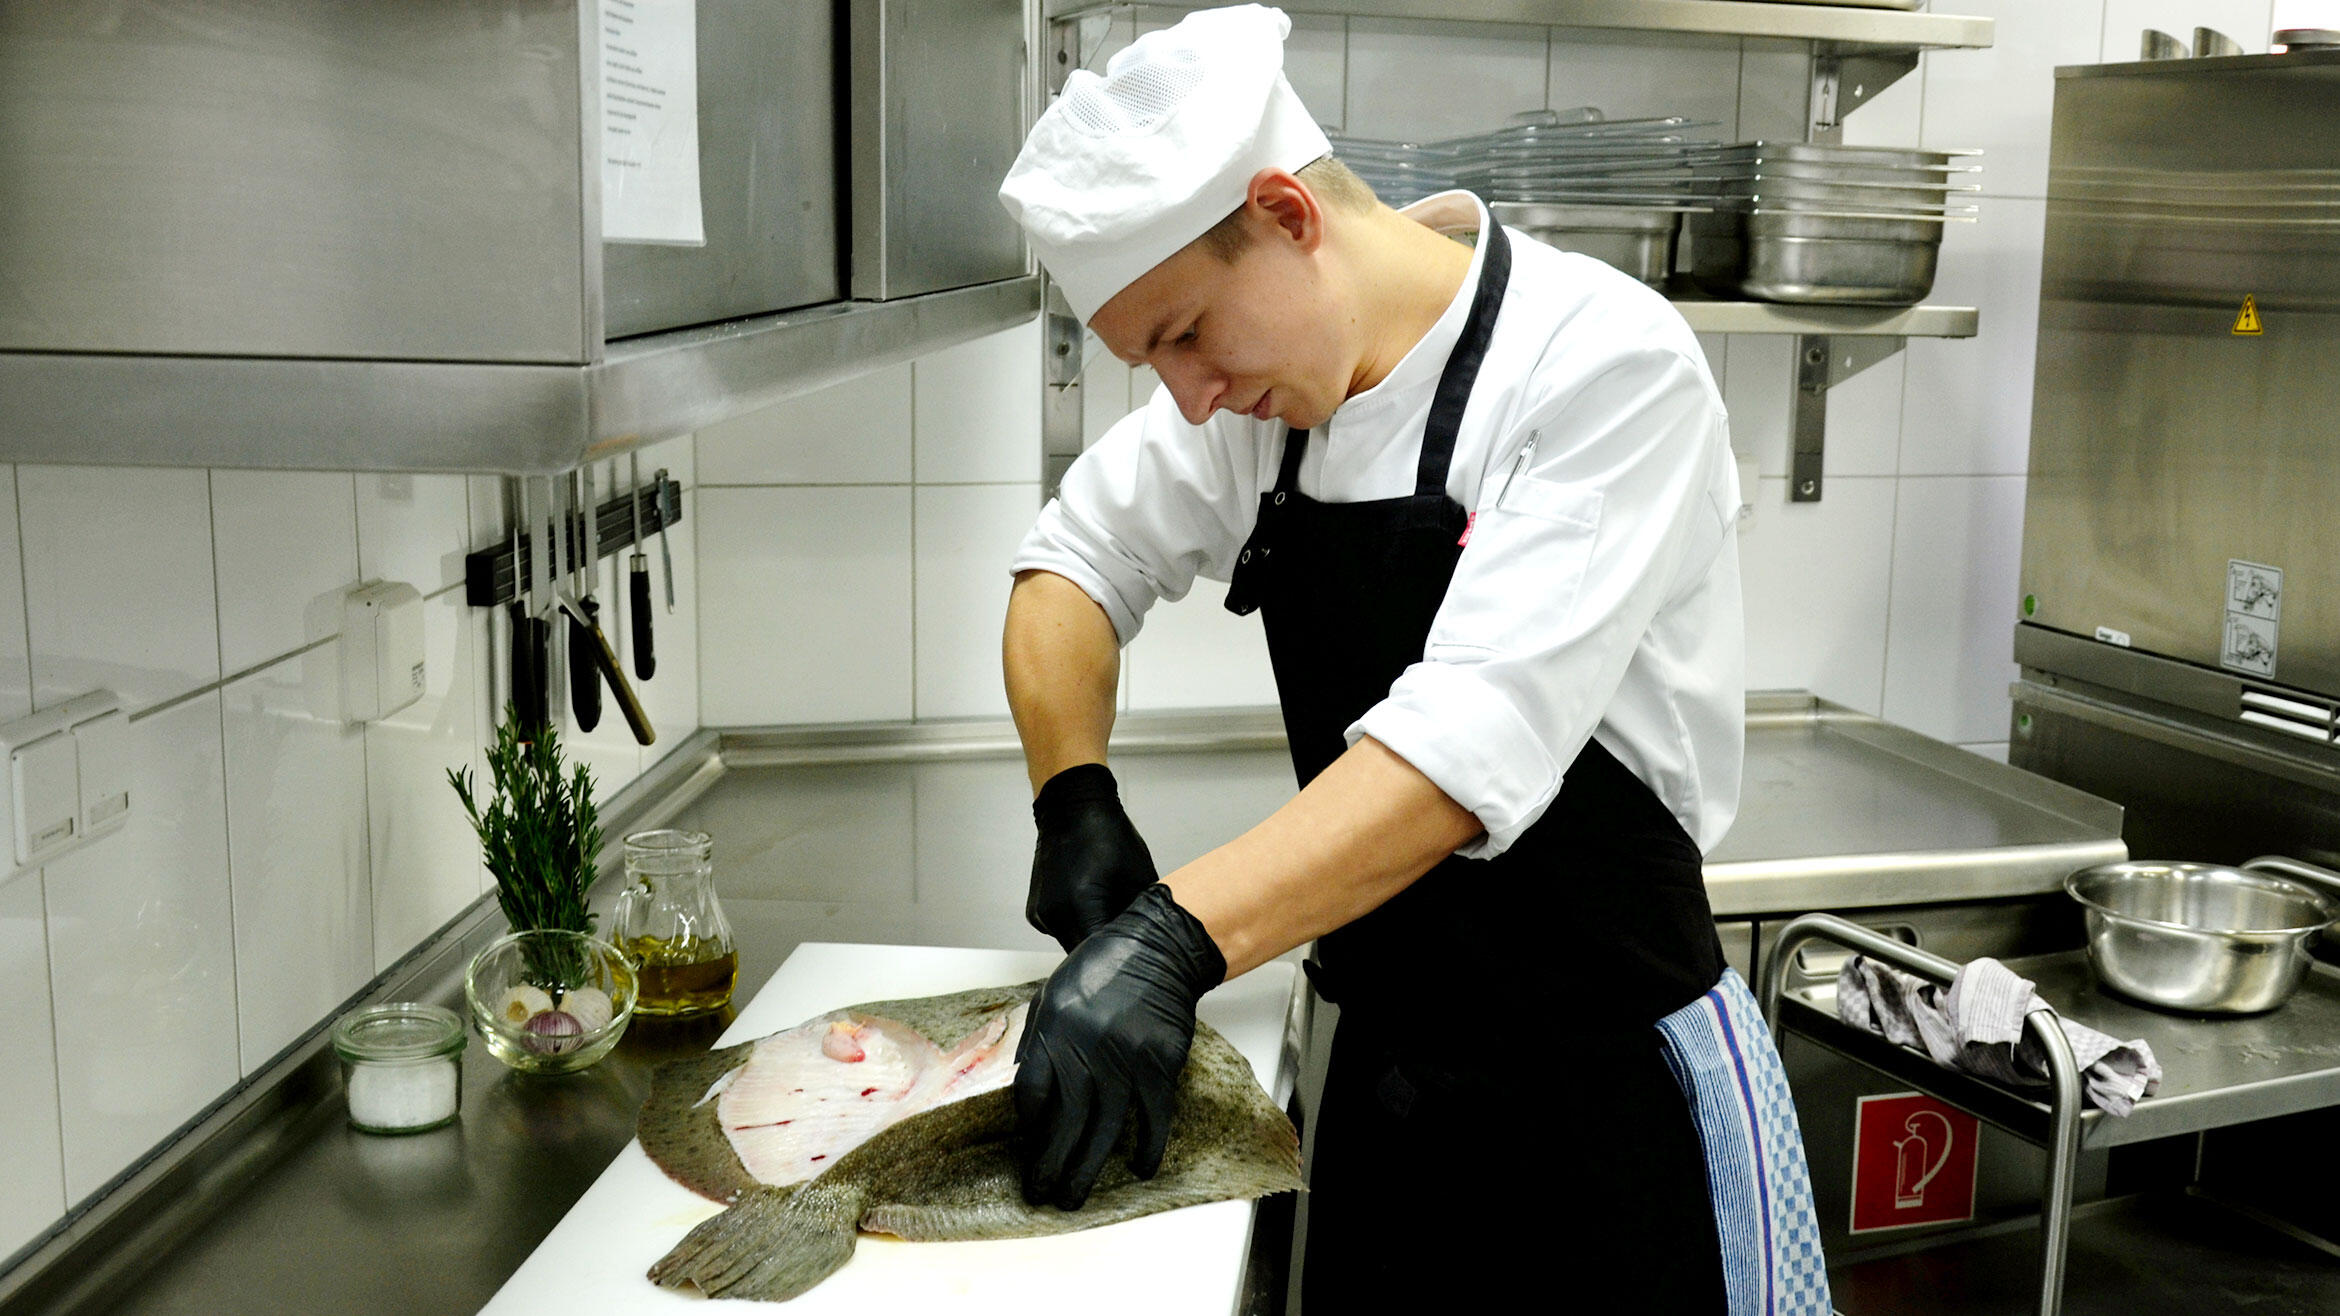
pixel 403 1063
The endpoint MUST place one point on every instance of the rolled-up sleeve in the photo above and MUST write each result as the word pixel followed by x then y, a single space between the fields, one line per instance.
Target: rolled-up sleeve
pixel 1616 508
pixel 1152 505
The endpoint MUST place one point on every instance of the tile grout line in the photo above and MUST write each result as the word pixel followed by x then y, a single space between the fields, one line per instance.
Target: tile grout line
pixel 227 803
pixel 56 1052
pixel 23 583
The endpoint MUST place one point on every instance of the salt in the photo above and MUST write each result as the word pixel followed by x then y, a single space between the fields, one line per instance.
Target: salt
pixel 403 1097
pixel 404 1066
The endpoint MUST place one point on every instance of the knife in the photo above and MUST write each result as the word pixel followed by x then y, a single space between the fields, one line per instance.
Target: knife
pixel 638 581
pixel 530 635
pixel 584 623
pixel 595 655
pixel 665 560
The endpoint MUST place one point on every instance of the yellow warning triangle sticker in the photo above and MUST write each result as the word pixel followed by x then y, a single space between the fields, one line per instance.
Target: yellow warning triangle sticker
pixel 2247 322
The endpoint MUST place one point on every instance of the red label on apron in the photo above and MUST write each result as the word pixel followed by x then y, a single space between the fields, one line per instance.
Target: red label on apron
pixel 1913 1163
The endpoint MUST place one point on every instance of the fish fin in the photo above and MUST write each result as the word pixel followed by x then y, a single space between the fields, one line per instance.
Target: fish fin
pixel 771 1245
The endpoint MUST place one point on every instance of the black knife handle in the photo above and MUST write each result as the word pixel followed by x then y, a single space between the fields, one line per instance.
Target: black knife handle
pixel 638 614
pixel 530 699
pixel 584 677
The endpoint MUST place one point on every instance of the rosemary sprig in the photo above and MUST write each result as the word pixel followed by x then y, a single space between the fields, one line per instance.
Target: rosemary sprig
pixel 540 834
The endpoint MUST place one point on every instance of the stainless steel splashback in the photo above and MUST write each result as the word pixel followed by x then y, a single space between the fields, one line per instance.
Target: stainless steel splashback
pixel 2187 413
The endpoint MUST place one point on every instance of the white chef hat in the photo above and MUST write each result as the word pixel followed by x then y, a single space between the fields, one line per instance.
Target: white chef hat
pixel 1125 169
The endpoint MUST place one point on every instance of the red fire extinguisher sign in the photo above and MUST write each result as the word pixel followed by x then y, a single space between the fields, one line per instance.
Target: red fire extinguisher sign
pixel 1913 1163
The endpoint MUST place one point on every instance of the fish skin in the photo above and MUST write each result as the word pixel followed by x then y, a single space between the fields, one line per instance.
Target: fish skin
pixel 946 1174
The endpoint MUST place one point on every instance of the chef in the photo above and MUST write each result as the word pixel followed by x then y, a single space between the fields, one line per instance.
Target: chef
pixel 1481 494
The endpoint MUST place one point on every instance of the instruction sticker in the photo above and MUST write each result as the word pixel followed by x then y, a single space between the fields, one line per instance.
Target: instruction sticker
pixel 2246 321
pixel 2254 611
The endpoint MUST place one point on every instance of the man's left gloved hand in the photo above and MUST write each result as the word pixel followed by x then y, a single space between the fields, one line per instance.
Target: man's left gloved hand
pixel 1106 1040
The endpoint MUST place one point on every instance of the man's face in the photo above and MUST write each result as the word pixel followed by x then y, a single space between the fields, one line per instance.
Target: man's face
pixel 1256 336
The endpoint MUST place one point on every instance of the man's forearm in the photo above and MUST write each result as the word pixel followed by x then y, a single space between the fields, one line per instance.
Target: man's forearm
pixel 1360 833
pixel 1063 666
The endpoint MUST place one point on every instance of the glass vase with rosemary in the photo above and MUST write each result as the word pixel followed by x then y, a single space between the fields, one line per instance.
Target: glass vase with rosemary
pixel 540 835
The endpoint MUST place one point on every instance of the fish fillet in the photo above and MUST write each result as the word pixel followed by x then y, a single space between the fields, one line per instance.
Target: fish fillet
pixel 864 1122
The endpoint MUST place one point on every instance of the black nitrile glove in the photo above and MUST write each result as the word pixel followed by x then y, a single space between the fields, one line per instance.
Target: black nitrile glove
pixel 1105 1042
pixel 1089 861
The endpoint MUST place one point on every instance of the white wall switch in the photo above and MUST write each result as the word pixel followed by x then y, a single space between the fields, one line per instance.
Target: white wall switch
pixel 46 797
pixel 68 777
pixel 381 650
pixel 102 744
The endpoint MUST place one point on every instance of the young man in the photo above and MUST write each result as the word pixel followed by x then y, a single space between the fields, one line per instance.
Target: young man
pixel 1482 498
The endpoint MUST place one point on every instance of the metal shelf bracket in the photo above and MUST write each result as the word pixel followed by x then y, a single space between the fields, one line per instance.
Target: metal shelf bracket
pixel 1062 340
pixel 1845 81
pixel 1822 362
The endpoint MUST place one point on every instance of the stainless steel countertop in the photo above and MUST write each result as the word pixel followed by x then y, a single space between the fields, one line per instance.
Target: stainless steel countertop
pixel 902 836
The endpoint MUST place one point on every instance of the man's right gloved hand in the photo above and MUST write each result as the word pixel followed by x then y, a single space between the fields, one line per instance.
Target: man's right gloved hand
pixel 1089 862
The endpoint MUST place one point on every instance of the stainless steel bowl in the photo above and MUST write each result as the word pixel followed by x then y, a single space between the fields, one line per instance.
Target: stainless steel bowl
pixel 2202 938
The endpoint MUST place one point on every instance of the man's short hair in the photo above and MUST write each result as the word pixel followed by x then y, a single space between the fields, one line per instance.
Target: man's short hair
pixel 1334 183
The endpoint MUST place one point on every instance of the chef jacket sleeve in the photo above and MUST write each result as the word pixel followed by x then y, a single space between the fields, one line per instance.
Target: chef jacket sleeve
pixel 1619 507
pixel 1153 504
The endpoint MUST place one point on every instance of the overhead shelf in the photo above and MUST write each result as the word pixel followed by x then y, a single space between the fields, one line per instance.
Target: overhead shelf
pixel 1846 26
pixel 1708 315
pixel 284 413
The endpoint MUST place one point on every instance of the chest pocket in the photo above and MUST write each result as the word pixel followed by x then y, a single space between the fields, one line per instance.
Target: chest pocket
pixel 1521 576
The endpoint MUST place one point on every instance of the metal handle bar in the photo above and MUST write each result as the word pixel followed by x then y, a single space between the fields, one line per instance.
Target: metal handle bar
pixel 2042 1023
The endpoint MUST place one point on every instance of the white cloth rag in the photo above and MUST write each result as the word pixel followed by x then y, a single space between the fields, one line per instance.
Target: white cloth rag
pixel 1976 1025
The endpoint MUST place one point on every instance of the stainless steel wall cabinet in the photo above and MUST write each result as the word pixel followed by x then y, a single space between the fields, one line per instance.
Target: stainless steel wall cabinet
pixel 2189 317
pixel 315 234
pixel 937 115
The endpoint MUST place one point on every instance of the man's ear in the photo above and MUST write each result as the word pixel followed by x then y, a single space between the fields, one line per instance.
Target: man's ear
pixel 1281 199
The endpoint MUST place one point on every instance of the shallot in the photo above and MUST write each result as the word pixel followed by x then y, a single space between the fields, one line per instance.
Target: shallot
pixel 554 1032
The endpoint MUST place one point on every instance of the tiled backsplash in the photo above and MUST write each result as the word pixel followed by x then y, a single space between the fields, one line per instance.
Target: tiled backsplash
pixel 276 859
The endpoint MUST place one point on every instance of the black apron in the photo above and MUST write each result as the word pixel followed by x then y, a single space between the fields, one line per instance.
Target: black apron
pixel 1496 1065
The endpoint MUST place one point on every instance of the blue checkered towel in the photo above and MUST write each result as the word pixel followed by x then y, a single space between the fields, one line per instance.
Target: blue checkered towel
pixel 1722 1054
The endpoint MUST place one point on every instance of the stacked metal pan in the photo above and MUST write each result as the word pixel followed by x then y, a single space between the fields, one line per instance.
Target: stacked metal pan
pixel 1614 189
pixel 1797 222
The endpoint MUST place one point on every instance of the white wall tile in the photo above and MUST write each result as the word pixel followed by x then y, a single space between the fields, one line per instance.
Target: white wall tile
pixel 118 584
pixel 671 696
pixel 1105 391
pixel 485 496
pixel 296 801
pixel 805 612
pixel 1864 412
pixel 1998 99
pixel 1815 577
pixel 415 529
pixel 1968 400
pixel 1638 75
pixel 142 954
pixel 1774 93
pixel 976 409
pixel 423 856
pixel 966 535
pixel 1415 80
pixel 1196 654
pixel 15 661
pixel 1950 651
pixel 853 432
pixel 2247 21
pixel 32 1194
pixel 286 546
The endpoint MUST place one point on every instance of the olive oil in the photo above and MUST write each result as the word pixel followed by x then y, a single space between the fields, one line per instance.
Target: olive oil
pixel 682 976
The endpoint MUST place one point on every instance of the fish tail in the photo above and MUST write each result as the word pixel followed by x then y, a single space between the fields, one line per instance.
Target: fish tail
pixel 770 1245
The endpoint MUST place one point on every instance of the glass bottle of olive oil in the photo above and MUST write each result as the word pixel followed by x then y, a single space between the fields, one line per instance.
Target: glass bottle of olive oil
pixel 672 926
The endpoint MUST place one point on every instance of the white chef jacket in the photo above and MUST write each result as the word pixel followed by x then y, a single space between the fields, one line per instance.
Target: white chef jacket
pixel 1598 591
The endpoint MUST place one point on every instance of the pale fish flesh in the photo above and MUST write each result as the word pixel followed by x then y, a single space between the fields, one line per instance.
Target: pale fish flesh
pixel 866 1118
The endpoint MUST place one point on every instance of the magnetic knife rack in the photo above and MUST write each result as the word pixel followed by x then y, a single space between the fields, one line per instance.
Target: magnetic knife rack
pixel 499 575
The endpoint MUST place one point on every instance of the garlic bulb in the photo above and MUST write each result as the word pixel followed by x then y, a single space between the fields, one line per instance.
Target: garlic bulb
pixel 522 1003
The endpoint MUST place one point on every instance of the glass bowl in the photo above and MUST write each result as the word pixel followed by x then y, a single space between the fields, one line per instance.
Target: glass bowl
pixel 550 1002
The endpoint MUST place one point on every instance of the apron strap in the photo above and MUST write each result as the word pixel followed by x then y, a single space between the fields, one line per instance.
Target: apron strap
pixel 1462 366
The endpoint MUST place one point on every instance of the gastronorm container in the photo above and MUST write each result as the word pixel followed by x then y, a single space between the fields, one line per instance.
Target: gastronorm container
pixel 1639 240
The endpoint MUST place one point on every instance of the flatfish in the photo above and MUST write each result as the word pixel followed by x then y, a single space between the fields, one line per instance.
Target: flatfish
pixel 895 1117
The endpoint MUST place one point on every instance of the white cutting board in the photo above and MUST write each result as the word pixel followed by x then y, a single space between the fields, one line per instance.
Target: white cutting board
pixel 1178 1263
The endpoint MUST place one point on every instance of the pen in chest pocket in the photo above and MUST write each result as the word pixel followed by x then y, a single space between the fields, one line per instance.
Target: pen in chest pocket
pixel 1525 453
